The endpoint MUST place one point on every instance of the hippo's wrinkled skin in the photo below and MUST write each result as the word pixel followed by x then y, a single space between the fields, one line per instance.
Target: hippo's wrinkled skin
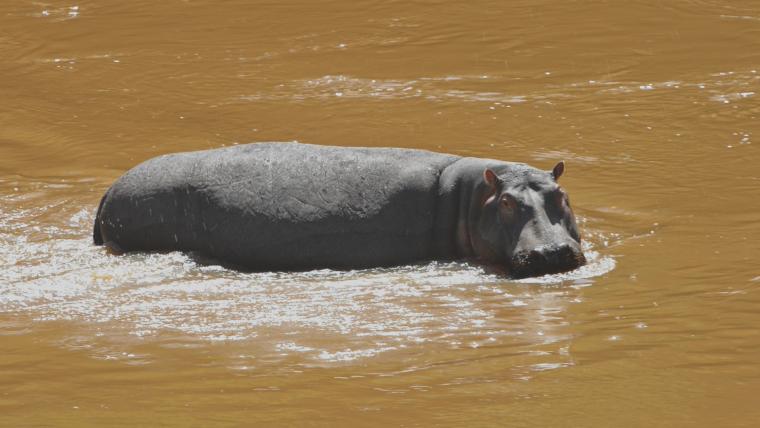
pixel 291 206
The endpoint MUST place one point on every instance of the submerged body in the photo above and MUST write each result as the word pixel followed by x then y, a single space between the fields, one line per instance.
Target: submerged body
pixel 291 206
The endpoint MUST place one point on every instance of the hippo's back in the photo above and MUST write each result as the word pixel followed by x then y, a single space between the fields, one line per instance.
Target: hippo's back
pixel 280 205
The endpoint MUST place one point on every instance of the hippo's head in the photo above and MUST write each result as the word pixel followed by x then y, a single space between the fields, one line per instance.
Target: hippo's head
pixel 526 222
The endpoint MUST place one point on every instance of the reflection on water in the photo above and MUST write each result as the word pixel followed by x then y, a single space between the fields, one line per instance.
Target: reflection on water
pixel 326 316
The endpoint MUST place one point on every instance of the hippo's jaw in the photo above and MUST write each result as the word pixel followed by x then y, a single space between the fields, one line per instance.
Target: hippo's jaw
pixel 546 260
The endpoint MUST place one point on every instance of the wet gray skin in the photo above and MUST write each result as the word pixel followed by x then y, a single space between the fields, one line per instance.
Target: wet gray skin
pixel 290 206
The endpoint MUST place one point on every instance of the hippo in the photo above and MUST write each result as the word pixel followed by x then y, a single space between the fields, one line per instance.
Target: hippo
pixel 294 207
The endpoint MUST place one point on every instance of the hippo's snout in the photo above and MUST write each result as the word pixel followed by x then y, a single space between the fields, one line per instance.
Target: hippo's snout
pixel 546 260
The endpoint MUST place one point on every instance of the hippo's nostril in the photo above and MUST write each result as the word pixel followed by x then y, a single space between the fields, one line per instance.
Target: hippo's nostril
pixel 536 256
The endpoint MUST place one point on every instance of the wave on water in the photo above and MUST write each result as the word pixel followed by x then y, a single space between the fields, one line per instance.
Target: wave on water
pixel 427 88
pixel 723 87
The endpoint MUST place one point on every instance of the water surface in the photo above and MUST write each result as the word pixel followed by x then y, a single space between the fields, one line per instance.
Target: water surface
pixel 654 107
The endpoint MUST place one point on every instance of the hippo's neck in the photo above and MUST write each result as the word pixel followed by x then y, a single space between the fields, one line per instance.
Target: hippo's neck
pixel 462 193
pixel 456 186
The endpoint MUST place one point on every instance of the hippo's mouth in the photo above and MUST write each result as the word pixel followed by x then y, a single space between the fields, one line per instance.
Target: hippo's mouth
pixel 537 263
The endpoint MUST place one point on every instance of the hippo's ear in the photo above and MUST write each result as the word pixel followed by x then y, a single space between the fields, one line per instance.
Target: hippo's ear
pixel 559 168
pixel 491 178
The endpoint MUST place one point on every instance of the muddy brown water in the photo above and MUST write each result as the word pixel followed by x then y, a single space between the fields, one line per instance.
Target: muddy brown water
pixel 653 105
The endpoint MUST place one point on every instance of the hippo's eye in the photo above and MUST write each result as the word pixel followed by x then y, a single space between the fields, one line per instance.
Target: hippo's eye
pixel 508 202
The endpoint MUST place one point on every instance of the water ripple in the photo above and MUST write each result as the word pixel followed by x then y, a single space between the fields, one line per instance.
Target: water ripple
pixel 57 274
